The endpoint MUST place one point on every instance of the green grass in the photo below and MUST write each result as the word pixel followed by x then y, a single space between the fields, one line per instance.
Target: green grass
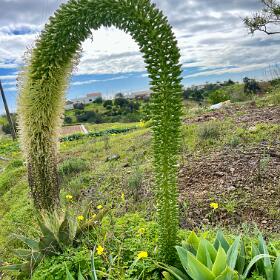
pixel 124 185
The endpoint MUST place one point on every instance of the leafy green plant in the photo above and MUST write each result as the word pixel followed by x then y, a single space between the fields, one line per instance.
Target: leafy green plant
pixel 202 260
pixel 264 266
pixel 44 80
pixel 59 231
pixel 72 166
pixel 209 131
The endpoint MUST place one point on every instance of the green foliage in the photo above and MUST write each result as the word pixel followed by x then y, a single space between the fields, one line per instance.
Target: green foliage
pixel 218 96
pixel 59 231
pixel 72 166
pixel 98 100
pixel 209 131
pixel 251 86
pixel 111 131
pixel 202 260
pixel 68 120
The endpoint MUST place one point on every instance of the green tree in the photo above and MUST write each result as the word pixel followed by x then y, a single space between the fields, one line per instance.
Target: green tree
pixel 266 20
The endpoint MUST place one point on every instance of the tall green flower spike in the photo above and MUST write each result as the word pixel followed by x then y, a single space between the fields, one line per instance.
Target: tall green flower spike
pixel 44 81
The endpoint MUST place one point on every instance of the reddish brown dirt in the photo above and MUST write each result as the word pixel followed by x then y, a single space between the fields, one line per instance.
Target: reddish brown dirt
pixel 244 181
pixel 248 115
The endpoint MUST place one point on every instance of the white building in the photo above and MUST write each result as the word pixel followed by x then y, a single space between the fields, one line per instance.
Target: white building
pixel 89 98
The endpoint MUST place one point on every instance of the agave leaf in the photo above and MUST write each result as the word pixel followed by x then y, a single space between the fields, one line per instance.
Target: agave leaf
pixel 11 267
pixel 252 263
pixel 228 274
pixel 177 273
pixel 241 259
pixel 28 255
pixel 232 252
pixel 64 233
pixel 221 241
pixel 193 241
pixel 31 243
pixel 68 274
pixel 220 263
pixel 94 276
pixel 80 276
pixel 49 246
pixel 197 270
pixel 259 264
pixel 276 269
pixel 266 261
pixel 183 256
pixel 277 253
pixel 206 253
pixel 166 275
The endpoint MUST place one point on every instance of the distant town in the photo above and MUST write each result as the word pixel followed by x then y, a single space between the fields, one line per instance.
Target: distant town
pixel 91 97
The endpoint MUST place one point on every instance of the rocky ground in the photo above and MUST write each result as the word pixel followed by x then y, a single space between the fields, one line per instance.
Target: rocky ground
pixel 243 180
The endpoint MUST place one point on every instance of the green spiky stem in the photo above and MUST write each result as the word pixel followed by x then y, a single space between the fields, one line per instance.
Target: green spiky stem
pixel 45 79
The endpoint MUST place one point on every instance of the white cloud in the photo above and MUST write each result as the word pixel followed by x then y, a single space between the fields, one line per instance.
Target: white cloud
pixel 210 34
pixel 88 82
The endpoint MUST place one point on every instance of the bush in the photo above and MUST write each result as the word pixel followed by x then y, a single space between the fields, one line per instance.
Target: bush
pixel 98 100
pixel 209 130
pixel 68 120
pixel 107 102
pixel 79 106
pixel 72 166
pixel 218 96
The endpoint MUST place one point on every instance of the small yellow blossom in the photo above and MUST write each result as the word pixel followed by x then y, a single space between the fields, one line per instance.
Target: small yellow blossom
pixel 80 218
pixel 69 197
pixel 99 250
pixel 123 197
pixel 214 205
pixel 141 124
pixel 141 231
pixel 99 207
pixel 93 216
pixel 142 255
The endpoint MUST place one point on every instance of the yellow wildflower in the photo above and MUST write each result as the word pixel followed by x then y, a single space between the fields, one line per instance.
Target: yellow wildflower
pixel 69 197
pixel 123 197
pixel 99 207
pixel 80 218
pixel 214 205
pixel 142 255
pixel 141 124
pixel 99 250
pixel 93 216
pixel 141 231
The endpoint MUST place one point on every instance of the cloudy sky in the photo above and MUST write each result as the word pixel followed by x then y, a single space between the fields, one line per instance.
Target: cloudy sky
pixel 213 41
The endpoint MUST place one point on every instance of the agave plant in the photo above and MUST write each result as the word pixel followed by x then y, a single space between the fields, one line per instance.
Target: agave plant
pixel 59 231
pixel 264 266
pixel 202 260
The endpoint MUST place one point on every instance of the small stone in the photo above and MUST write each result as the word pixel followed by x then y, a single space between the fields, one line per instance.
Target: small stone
pixel 113 157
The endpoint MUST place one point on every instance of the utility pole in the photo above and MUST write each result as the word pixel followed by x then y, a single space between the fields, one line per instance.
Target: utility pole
pixel 13 131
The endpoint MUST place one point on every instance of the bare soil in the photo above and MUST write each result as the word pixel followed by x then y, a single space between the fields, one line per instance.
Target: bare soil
pixel 244 181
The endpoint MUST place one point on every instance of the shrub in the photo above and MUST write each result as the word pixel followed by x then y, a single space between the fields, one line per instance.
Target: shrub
pixel 218 96
pixel 107 103
pixel 98 100
pixel 68 120
pixel 79 106
pixel 72 166
pixel 209 130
